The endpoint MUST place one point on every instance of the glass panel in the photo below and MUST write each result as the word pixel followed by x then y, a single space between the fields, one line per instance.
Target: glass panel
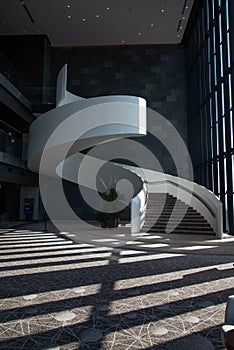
pixel 221 59
pixel 207 13
pixel 212 144
pixel 213 9
pixel 3 137
pixel 225 174
pixel 218 177
pixel 233 171
pixel 214 42
pixel 212 166
pixel 215 70
pixel 216 107
pixel 210 87
pixel 13 146
pixel 208 49
pixel 211 119
pixel 231 128
pixel 10 143
pixel 227 15
pixel 217 138
pixel 228 50
pixel 222 99
pixel 224 136
pixel 226 211
pixel 230 90
pixel 220 29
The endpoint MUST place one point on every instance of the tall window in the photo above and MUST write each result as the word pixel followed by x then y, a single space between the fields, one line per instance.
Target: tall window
pixel 210 72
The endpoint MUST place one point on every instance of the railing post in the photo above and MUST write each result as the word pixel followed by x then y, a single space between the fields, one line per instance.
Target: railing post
pixel 135 215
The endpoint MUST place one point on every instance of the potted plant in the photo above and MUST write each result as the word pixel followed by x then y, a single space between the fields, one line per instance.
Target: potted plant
pixel 110 219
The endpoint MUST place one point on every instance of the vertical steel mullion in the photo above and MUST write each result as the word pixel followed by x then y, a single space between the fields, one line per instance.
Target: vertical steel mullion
pixel 227 121
pixel 214 160
pixel 231 170
pixel 208 111
pixel 207 102
pixel 209 151
pixel 220 124
pixel 231 31
pixel 202 95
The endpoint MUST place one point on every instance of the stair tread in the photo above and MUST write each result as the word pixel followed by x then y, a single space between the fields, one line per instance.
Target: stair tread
pixel 185 219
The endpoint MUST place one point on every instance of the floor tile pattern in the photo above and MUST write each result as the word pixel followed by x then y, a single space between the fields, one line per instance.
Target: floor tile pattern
pixel 56 294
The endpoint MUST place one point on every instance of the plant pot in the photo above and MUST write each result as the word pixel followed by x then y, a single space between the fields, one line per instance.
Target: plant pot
pixel 112 222
pixel 103 224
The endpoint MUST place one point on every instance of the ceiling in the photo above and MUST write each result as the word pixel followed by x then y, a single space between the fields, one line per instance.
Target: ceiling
pixel 97 22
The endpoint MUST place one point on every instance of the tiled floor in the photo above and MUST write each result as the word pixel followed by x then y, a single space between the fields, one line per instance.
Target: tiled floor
pixel 56 294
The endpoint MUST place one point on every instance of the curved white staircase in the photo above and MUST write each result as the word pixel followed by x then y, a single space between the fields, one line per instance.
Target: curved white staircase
pixel 57 138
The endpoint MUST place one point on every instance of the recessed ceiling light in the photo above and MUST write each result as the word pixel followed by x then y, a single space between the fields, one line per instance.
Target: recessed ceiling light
pixel 181 27
pixel 178 35
pixel 83 19
pixel 139 33
pixel 69 17
pixel 68 6
pixel 97 16
pixel 162 10
pixel 108 8
pixel 122 41
pixel 151 24
pixel 186 7
pixel 183 17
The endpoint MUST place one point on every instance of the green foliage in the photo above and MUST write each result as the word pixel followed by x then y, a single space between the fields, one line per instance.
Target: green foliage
pixel 110 196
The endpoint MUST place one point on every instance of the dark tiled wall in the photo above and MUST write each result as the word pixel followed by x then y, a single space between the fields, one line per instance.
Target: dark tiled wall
pixel 156 73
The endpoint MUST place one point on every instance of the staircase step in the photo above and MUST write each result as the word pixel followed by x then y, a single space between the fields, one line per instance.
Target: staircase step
pixel 165 205
pixel 168 211
pixel 152 230
pixel 181 222
pixel 177 229
pixel 176 218
pixel 185 226
pixel 161 206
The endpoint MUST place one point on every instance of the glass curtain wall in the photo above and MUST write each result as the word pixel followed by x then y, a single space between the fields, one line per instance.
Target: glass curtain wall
pixel 209 42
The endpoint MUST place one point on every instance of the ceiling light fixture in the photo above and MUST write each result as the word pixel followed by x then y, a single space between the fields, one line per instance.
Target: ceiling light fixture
pixel 139 33
pixel 122 41
pixel 186 7
pixel 108 8
pixel 162 10
pixel 68 6
pixel 69 17
pixel 178 35
pixel 151 24
pixel 83 19
pixel 97 16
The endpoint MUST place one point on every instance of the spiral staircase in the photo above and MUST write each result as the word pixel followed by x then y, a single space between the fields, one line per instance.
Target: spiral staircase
pixel 164 203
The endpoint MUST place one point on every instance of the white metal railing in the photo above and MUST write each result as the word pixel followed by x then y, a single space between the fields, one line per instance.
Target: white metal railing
pixel 138 209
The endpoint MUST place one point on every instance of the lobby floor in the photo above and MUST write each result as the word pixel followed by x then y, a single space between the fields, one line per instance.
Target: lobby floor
pixel 59 294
